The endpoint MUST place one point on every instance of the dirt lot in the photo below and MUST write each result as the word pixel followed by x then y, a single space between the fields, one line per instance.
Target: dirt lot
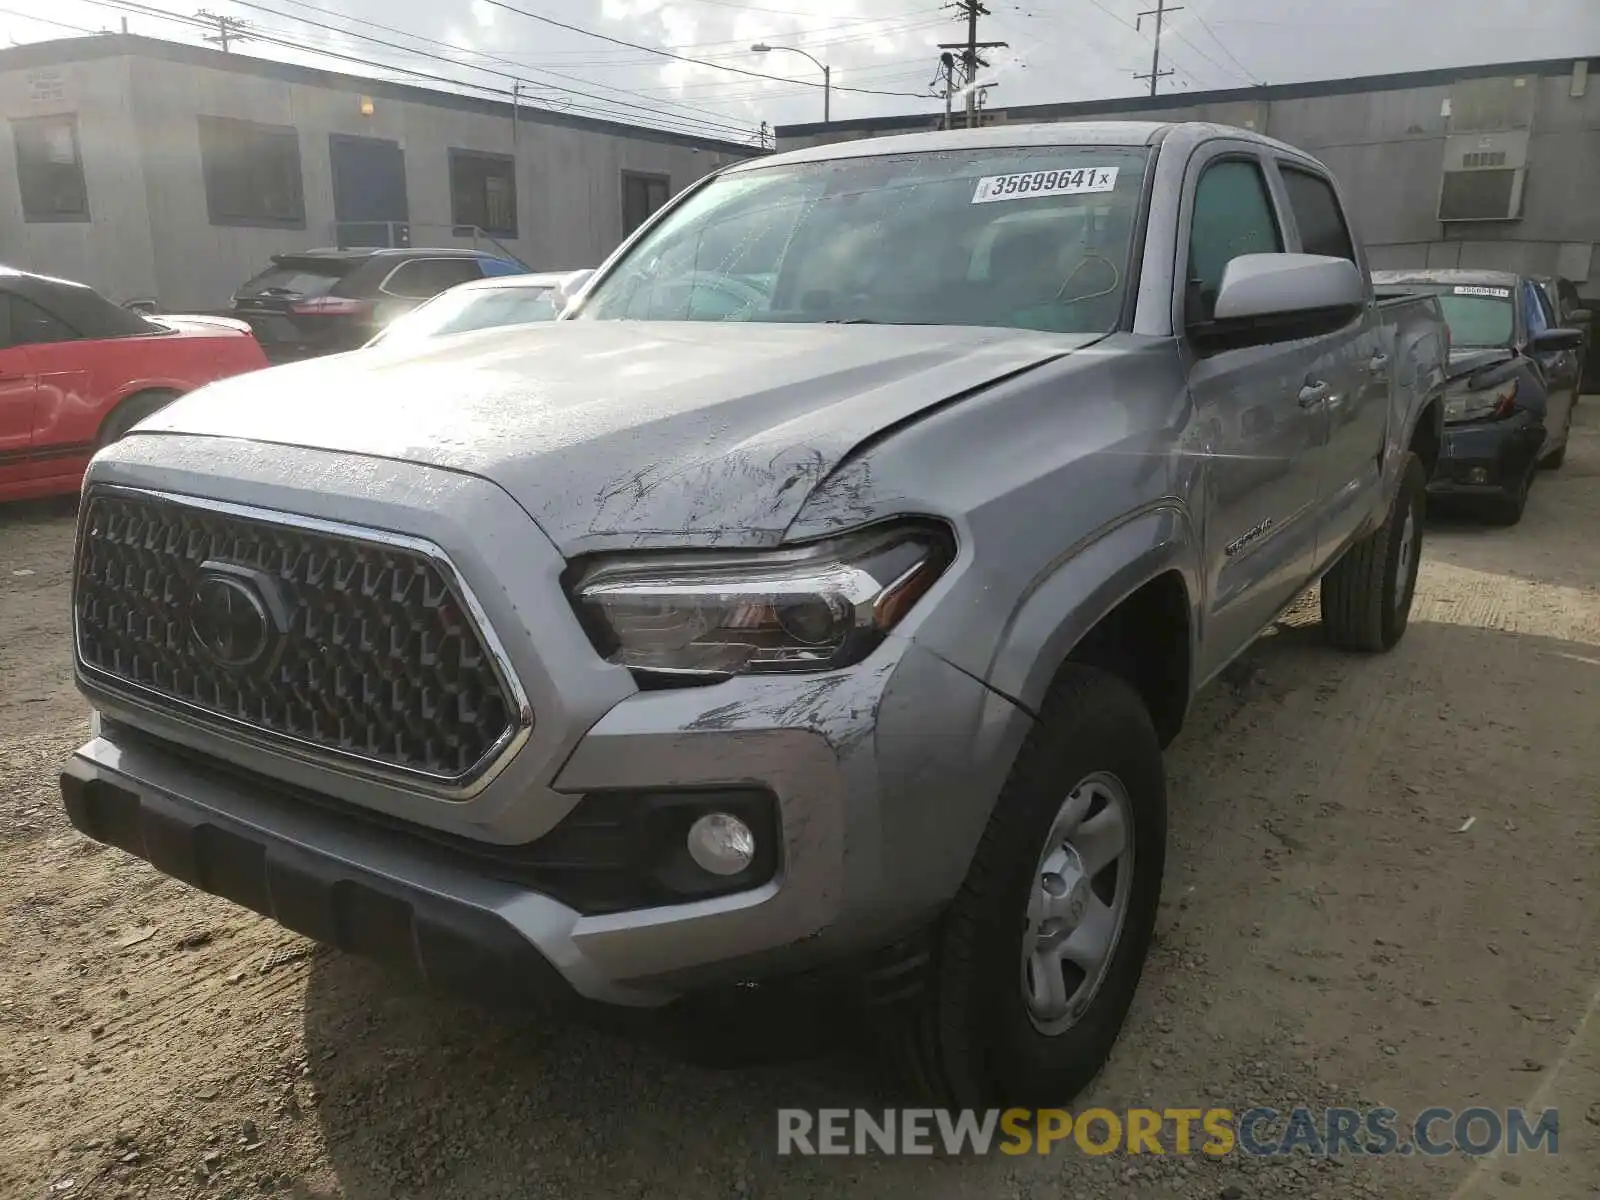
pixel 1330 934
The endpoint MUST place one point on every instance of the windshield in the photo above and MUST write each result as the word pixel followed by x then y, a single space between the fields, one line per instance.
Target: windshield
pixel 473 308
pixel 1033 238
pixel 1478 316
pixel 299 280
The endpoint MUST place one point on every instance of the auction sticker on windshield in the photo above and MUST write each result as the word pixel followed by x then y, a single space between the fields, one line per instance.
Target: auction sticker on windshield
pixel 1070 182
pixel 1497 293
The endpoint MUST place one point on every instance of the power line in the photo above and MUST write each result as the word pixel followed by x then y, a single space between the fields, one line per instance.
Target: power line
pixel 700 62
pixel 259 35
pixel 11 12
pixel 1248 74
pixel 721 119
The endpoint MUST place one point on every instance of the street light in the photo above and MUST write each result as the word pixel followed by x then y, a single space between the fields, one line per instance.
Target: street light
pixel 827 73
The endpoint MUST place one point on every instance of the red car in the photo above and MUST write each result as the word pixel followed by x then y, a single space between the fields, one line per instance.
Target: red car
pixel 77 372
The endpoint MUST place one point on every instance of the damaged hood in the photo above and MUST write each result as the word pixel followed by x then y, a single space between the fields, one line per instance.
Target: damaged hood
pixel 624 432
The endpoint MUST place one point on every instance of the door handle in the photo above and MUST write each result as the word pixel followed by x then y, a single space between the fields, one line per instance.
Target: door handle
pixel 1378 363
pixel 1313 394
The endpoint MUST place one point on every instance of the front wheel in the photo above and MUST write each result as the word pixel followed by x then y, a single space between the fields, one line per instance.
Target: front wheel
pixel 130 412
pixel 1038 957
pixel 1366 597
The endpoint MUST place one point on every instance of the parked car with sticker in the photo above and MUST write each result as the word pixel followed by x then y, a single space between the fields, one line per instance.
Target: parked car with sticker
pixel 814 598
pixel 325 301
pixel 1514 376
pixel 77 372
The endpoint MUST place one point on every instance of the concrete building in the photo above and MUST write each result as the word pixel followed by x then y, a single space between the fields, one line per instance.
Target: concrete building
pixel 154 170
pixel 1490 166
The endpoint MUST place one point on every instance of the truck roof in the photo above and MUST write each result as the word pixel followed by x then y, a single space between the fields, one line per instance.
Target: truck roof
pixel 1046 133
pixel 1465 276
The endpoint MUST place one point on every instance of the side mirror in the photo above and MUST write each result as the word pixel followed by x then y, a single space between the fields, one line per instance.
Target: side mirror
pixel 569 287
pixel 1256 286
pixel 1552 341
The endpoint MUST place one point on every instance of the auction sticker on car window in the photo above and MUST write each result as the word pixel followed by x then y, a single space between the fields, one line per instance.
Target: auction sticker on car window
pixel 1497 293
pixel 1073 181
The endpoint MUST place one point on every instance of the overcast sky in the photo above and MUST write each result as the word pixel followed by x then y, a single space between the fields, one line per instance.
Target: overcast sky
pixel 1057 49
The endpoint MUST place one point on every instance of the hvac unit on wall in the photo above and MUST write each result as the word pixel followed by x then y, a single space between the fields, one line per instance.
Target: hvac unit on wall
pixel 1486 150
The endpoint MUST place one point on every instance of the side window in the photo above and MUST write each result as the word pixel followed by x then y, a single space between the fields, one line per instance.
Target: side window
pixel 1535 308
pixel 425 277
pixel 26 324
pixel 1316 212
pixel 1232 216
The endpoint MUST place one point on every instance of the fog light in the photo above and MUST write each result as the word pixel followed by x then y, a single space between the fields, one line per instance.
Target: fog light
pixel 721 843
pixel 1478 475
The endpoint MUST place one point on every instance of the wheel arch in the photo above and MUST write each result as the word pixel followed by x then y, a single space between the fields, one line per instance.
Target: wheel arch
pixel 132 395
pixel 1126 602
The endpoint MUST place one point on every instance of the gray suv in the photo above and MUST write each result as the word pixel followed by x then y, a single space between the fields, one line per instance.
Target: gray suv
pixel 814 598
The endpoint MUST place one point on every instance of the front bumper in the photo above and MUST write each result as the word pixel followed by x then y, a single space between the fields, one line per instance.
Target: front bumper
pixel 1479 458
pixel 883 777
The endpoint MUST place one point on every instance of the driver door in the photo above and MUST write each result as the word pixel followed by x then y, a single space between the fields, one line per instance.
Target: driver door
pixel 1560 367
pixel 1264 427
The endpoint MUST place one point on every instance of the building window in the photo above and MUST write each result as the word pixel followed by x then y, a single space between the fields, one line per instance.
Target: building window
pixel 252 173
pixel 641 196
pixel 50 169
pixel 483 191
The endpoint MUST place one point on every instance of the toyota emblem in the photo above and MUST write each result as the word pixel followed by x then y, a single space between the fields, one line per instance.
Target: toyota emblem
pixel 228 620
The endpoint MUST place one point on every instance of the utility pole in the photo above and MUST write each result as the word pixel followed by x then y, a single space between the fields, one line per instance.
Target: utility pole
pixel 1158 12
pixel 947 66
pixel 970 59
pixel 229 29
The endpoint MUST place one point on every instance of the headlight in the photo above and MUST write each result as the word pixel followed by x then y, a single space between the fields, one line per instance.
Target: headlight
pixel 810 608
pixel 1496 402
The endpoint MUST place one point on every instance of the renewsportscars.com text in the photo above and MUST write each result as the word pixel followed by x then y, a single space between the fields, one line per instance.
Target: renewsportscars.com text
pixel 1215 1132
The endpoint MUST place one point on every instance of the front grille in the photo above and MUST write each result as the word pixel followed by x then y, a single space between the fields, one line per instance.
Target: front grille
pixel 368 653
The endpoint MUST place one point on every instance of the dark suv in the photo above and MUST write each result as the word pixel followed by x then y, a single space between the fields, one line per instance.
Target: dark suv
pixel 324 301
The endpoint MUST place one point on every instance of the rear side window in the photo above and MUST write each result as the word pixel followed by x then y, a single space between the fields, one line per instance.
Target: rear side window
pixel 501 266
pixel 23 323
pixel 1316 213
pixel 426 277
pixel 1232 216
pixel 1536 309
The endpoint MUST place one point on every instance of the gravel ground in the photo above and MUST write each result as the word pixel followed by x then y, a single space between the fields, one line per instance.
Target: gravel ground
pixel 1329 936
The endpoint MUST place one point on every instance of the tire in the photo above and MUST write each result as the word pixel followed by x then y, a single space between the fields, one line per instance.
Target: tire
pixel 972 1038
pixel 1554 462
pixel 1366 597
pixel 1508 509
pixel 129 412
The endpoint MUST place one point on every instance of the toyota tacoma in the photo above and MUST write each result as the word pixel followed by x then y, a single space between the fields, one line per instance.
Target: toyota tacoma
pixel 816 595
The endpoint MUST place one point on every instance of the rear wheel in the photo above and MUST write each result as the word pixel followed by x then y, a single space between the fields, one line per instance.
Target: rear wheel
pixel 1508 509
pixel 1555 458
pixel 1038 957
pixel 130 412
pixel 1366 597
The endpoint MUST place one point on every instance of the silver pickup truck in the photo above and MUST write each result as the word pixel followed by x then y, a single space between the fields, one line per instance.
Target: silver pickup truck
pixel 813 600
